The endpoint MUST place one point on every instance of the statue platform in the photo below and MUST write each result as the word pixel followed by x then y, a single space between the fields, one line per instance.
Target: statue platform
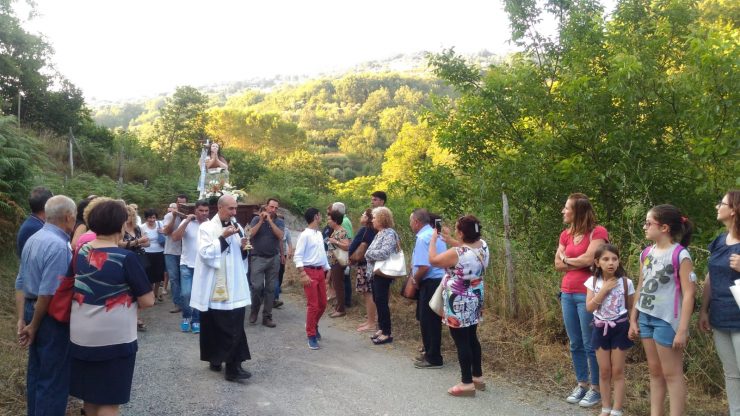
pixel 244 212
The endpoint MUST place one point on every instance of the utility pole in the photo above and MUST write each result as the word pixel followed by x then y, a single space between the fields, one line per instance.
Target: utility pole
pixel 71 157
pixel 19 109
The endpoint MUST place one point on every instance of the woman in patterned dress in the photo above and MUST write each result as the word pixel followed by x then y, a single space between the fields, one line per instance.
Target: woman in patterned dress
pixel 462 294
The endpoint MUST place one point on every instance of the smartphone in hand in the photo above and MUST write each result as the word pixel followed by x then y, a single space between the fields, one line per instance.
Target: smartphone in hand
pixel 438 225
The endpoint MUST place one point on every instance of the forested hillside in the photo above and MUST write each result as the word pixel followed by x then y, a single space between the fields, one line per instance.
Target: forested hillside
pixel 634 109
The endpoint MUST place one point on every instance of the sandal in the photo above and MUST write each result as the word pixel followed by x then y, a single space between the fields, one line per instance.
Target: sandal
pixel 480 385
pixel 378 341
pixel 377 334
pixel 606 410
pixel 458 391
pixel 141 326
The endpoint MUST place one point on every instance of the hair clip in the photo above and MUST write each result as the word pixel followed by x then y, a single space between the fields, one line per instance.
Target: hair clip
pixel 476 227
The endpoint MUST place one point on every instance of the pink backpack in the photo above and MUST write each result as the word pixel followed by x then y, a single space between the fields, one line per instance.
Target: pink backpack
pixel 676 266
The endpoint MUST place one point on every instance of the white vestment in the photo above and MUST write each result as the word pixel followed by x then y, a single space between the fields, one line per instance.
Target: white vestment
pixel 209 260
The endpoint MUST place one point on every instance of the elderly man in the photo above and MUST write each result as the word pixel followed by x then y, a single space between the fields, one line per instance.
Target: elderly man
pixel 46 256
pixel 221 291
pixel 267 235
pixel 426 278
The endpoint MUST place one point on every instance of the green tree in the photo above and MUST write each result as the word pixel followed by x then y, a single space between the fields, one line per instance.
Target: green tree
pixel 181 124
pixel 631 120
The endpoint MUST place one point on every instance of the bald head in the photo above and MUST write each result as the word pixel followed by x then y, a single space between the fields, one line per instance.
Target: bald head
pixel 226 207
pixel 225 200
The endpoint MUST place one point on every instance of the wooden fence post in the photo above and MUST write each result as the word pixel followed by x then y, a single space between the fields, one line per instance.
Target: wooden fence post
pixel 512 306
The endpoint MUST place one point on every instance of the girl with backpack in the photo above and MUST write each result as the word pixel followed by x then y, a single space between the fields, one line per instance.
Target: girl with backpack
pixel 610 296
pixel 663 312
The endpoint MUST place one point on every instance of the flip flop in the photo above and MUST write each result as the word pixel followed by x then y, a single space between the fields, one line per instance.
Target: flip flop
pixel 458 392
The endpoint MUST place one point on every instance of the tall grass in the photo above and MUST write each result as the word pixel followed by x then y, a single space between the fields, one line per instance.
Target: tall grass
pixel 532 348
pixel 12 356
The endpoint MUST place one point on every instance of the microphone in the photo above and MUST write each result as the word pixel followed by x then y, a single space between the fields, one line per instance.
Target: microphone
pixel 236 225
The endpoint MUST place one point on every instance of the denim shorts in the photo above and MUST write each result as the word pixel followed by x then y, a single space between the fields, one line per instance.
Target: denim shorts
pixel 657 329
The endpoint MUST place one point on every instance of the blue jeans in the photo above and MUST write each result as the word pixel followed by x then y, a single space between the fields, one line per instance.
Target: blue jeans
pixel 172 263
pixel 48 376
pixel 578 326
pixel 186 287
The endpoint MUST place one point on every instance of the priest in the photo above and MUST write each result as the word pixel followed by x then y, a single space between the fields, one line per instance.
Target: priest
pixel 221 291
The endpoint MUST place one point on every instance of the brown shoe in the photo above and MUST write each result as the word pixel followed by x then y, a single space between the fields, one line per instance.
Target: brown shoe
pixel 268 322
pixel 252 317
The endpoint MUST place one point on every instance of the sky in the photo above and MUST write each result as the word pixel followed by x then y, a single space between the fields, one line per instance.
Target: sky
pixel 116 49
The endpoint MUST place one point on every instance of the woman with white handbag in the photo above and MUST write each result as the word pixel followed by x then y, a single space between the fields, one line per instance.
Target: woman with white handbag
pixel 382 266
pixel 462 298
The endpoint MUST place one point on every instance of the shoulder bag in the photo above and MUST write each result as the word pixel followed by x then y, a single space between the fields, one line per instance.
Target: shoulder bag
pixel 342 256
pixel 60 305
pixel 358 256
pixel 392 267
pixel 408 290
pixel 436 303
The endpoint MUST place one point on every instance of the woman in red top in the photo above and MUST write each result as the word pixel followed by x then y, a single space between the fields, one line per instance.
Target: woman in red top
pixel 574 257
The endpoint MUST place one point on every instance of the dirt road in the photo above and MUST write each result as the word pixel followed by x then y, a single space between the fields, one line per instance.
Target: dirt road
pixel 347 376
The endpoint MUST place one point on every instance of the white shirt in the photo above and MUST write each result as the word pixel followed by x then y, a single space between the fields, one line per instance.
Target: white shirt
pixel 309 251
pixel 152 233
pixel 190 245
pixel 612 307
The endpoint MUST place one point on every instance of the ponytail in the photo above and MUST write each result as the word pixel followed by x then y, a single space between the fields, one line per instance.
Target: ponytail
pixel 681 228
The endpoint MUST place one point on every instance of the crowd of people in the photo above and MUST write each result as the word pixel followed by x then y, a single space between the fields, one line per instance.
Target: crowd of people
pixel 604 312
pixel 215 268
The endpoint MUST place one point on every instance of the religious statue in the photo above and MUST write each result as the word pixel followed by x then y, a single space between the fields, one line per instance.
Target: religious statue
pixel 214 171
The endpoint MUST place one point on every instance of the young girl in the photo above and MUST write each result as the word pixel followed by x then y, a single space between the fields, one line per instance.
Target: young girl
pixel 610 296
pixel 666 289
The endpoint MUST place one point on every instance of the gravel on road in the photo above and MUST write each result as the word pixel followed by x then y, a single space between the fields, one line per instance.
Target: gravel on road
pixel 347 376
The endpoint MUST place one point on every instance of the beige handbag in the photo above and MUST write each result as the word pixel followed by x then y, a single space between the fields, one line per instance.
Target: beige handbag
pixel 342 256
pixel 436 303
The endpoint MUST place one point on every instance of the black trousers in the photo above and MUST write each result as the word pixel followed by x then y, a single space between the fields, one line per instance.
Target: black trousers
pixel 468 352
pixel 381 292
pixel 222 337
pixel 429 322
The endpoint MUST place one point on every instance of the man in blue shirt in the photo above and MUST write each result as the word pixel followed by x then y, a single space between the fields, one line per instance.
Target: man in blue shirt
pixel 34 222
pixel 45 257
pixel 426 278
